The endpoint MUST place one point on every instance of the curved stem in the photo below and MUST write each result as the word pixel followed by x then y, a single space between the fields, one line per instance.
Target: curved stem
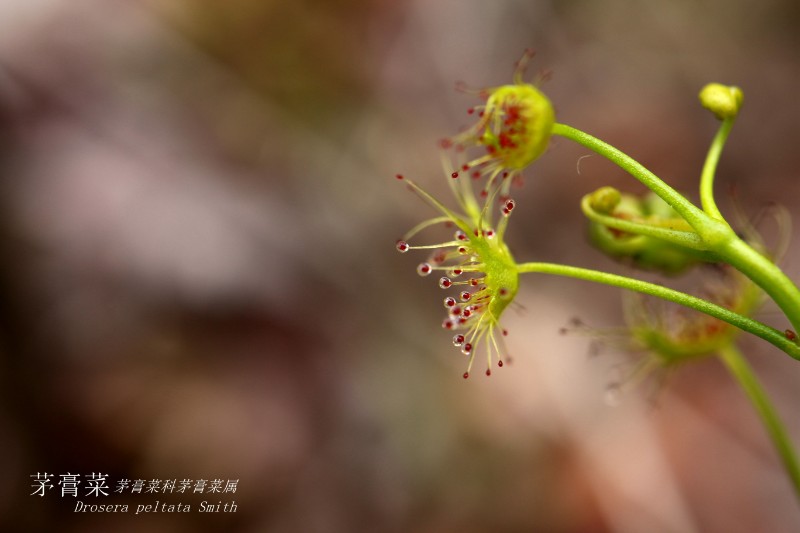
pixel 743 373
pixel 690 212
pixel 738 253
pixel 717 235
pixel 766 275
pixel 710 168
pixel 741 255
pixel 767 333
pixel 687 239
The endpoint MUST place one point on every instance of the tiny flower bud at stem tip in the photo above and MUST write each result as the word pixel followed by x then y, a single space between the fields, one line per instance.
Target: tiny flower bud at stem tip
pixel 605 199
pixel 724 101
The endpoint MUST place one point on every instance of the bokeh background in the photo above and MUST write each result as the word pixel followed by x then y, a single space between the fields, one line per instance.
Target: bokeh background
pixel 198 277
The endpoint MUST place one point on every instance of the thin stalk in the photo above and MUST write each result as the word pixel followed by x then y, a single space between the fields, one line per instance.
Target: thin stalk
pixel 710 169
pixel 743 373
pixel 744 323
pixel 690 212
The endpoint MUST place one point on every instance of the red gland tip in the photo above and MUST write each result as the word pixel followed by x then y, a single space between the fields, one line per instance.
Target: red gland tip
pixel 454 175
pixel 402 246
pixel 466 375
pixel 500 363
pixel 399 176
pixel 488 372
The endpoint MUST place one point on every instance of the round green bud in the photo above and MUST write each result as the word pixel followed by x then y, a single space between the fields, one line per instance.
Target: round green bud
pixel 517 124
pixel 723 100
pixel 641 251
pixel 605 199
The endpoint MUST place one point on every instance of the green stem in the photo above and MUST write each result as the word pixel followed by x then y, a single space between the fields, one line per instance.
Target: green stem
pixel 687 239
pixel 767 333
pixel 717 235
pixel 710 168
pixel 740 254
pixel 690 212
pixel 741 370
pixel 766 275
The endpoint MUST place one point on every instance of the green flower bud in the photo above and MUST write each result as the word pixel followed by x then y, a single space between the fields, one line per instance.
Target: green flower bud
pixel 513 129
pixel 516 125
pixel 722 100
pixel 605 199
pixel 642 251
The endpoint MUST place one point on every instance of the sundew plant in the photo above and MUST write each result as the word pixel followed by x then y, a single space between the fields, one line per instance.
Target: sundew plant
pixel 662 231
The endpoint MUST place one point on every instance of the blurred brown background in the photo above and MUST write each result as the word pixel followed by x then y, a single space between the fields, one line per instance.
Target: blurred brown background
pixel 198 279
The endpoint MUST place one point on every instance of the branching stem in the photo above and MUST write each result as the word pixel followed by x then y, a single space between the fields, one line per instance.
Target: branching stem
pixel 715 233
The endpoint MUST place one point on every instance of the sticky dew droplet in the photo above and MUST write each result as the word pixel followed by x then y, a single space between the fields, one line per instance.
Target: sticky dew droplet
pixel 424 269
pixel 508 206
